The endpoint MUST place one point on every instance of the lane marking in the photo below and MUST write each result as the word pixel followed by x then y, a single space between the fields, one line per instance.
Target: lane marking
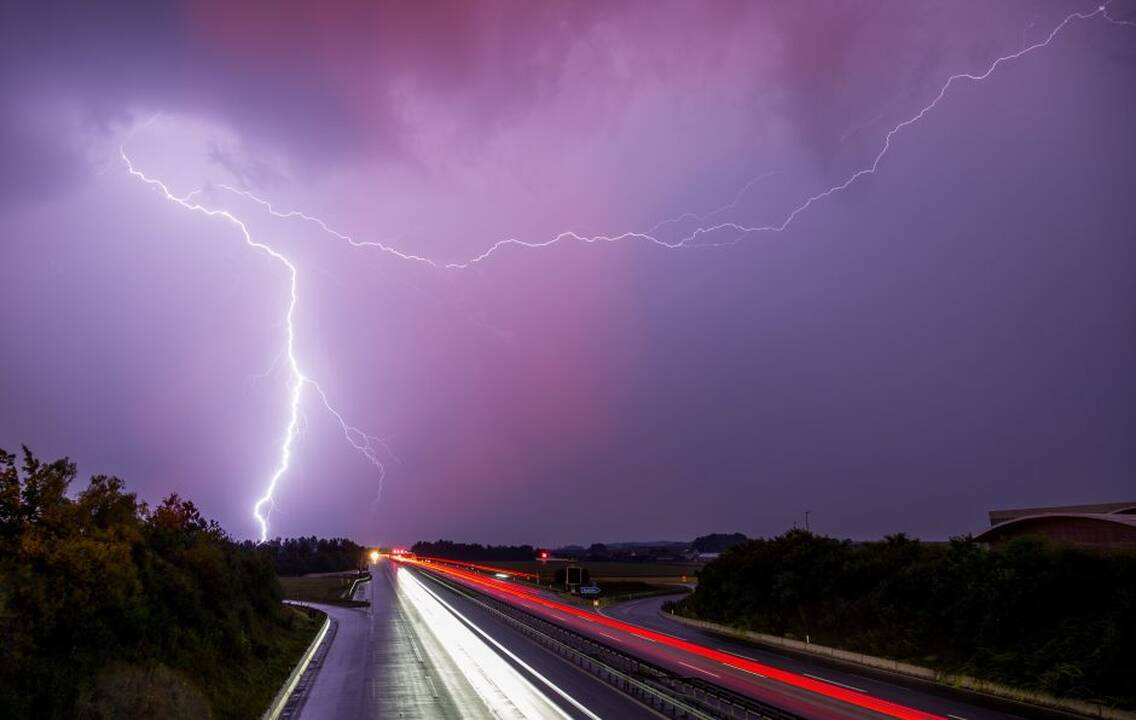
pixel 956 717
pixel 840 684
pixel 848 694
pixel 698 669
pixel 512 656
pixel 751 672
pixel 644 637
pixel 611 636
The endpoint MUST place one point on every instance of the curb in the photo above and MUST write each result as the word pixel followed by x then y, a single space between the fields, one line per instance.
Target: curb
pixel 349 594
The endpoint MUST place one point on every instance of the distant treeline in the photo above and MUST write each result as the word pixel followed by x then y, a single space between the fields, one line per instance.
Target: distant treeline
pixel 1028 614
pixel 110 609
pixel 717 542
pixel 473 552
pixel 303 555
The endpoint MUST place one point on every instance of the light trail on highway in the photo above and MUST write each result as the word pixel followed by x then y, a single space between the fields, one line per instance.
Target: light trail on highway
pixel 504 690
pixel 419 652
pixel 856 699
pixel 478 566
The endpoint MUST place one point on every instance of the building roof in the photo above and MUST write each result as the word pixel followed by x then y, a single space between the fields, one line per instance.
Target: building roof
pixel 1124 523
pixel 1113 508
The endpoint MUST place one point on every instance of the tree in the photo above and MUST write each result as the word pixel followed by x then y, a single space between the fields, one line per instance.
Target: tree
pixel 717 542
pixel 99 584
pixel 1039 616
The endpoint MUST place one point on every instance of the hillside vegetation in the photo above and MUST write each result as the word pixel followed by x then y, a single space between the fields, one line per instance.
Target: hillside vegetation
pixel 110 609
pixel 1031 615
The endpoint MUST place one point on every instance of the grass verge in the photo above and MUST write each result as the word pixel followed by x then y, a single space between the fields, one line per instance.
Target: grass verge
pixel 326 589
pixel 245 691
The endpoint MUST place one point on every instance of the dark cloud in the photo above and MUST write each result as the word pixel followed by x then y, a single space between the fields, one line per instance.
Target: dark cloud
pixel 949 334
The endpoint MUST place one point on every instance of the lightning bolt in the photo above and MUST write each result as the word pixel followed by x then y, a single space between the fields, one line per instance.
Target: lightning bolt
pixel 370 446
pixel 738 230
pixel 367 445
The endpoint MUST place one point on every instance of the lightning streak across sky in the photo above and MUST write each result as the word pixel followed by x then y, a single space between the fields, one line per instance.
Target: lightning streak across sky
pixel 368 445
pixel 736 229
pixel 361 441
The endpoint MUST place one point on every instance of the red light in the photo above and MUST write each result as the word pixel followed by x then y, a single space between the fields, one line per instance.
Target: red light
pixel 862 700
pixel 487 568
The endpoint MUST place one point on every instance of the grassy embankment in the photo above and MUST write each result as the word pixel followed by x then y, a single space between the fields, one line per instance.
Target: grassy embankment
pixel 244 690
pixel 326 589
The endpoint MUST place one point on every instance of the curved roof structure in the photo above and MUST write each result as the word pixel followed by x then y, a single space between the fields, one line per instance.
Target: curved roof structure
pixel 1114 530
pixel 1112 508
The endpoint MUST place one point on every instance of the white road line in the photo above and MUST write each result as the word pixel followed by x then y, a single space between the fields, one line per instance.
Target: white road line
pixel 956 717
pixel 698 669
pixel 838 684
pixel 751 672
pixel 512 656
pixel 611 636
pixel 643 637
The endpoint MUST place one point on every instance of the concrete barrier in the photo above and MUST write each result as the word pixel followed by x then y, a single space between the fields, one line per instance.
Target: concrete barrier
pixel 349 594
pixel 285 692
pixel 964 682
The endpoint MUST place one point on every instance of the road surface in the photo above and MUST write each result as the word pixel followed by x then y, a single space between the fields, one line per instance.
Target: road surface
pixel 806 689
pixel 646 613
pixel 411 655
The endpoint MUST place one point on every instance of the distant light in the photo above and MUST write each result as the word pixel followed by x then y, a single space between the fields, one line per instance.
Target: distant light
pixel 374 556
pixel 503 576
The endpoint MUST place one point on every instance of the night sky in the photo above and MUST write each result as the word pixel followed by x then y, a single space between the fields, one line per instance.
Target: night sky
pixel 952 333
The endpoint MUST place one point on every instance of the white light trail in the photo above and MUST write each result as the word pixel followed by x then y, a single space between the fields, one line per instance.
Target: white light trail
pixel 455 632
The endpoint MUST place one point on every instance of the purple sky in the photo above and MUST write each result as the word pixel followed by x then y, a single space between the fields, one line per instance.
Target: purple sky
pixel 952 333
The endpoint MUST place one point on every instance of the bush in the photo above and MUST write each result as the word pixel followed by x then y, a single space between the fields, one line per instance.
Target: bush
pixel 99 594
pixel 1041 617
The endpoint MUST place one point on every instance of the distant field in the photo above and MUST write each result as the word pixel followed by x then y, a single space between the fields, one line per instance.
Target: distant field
pixel 607 570
pixel 328 588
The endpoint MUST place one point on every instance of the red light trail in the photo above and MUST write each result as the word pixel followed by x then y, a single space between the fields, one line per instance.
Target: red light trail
pixel 851 697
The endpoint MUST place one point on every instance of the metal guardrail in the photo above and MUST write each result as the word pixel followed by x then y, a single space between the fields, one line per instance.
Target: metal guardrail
pixel 661 689
pixel 349 594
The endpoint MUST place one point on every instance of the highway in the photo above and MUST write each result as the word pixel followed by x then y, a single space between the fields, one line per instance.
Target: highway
pixel 801 687
pixel 439 641
pixel 410 654
pixel 646 613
